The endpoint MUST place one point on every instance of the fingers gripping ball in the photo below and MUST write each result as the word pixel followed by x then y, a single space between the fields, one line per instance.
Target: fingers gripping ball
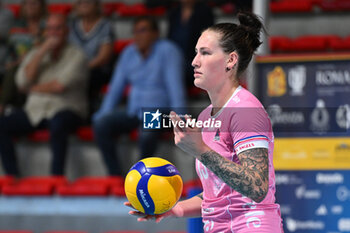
pixel 153 185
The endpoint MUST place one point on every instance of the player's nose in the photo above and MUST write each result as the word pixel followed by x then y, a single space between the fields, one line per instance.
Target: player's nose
pixel 195 62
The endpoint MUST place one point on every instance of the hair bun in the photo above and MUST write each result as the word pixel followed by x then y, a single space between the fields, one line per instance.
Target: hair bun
pixel 250 21
pixel 252 24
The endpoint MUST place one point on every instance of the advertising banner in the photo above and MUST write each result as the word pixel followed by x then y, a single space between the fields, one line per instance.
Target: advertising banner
pixel 314 201
pixel 308 101
pixel 306 96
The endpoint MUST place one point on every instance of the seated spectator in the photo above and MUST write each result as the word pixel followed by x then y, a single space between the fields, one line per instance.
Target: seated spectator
pixel 54 76
pixel 153 69
pixel 24 35
pixel 94 34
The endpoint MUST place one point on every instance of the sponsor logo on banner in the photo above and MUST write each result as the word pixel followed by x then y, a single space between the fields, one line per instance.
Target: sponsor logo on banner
pixel 277 116
pixel 337 209
pixel 342 152
pixel 320 118
pixel 297 80
pixel 332 77
pixel 286 209
pixel 344 224
pixel 276 82
pixel 329 178
pixel 302 193
pixel 343 116
pixel 287 179
pixel 343 193
pixel 295 225
pixel 321 211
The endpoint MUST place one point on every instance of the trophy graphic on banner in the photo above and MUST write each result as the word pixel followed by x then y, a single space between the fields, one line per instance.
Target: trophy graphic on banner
pixel 297 79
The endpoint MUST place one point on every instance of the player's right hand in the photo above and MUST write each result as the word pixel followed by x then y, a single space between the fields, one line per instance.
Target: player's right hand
pixel 141 217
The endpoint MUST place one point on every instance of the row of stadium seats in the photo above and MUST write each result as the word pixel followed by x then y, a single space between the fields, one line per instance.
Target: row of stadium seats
pixel 306 6
pixel 46 186
pixel 59 185
pixel 309 43
pixel 108 9
pixel 306 43
pixel 281 44
pixel 25 231
pixel 138 9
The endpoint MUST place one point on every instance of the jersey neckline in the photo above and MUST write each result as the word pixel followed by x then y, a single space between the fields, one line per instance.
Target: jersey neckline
pixel 222 109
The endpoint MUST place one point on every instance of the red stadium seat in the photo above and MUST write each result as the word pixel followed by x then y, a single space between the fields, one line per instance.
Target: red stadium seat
pixel 118 191
pixel 125 232
pixel 121 44
pixel 110 7
pixel 91 186
pixel 139 9
pixel 85 133
pixel 60 8
pixel 66 232
pixel 42 135
pixel 34 186
pixel 228 8
pixel 312 43
pixel 83 190
pixel 134 135
pixel 309 43
pixel 195 183
pixel 280 44
pixel 15 8
pixel 15 231
pixel 6 180
pixel 173 232
pixel 109 180
pixel 335 5
pixel 296 6
pixel 339 44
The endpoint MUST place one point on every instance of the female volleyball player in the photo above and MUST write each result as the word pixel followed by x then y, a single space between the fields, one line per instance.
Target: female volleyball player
pixel 234 161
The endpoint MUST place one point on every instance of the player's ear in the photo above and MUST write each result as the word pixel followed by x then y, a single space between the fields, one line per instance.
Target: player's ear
pixel 232 60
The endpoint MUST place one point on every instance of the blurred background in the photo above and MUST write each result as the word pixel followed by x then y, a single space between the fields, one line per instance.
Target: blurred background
pixel 301 74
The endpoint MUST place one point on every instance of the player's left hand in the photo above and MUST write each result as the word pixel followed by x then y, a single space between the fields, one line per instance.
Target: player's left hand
pixel 141 217
pixel 187 138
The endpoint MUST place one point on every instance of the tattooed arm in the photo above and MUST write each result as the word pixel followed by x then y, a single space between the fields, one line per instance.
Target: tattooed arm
pixel 250 178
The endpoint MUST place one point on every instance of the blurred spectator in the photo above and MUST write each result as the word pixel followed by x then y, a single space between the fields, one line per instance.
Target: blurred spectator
pixel 186 23
pixel 153 68
pixel 94 34
pixel 54 76
pixel 26 33
pixel 6 21
pixel 186 20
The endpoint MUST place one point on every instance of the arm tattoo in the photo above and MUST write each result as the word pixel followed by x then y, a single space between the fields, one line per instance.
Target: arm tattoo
pixel 250 178
pixel 200 195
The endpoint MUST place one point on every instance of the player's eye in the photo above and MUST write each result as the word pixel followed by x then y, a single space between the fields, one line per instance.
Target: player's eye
pixel 205 52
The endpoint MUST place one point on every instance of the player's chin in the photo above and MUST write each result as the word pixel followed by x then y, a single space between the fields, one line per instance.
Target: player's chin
pixel 198 83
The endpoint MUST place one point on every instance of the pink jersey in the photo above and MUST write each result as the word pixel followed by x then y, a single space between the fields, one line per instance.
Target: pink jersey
pixel 244 125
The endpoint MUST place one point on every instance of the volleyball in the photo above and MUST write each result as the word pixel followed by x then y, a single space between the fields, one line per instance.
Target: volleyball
pixel 153 185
